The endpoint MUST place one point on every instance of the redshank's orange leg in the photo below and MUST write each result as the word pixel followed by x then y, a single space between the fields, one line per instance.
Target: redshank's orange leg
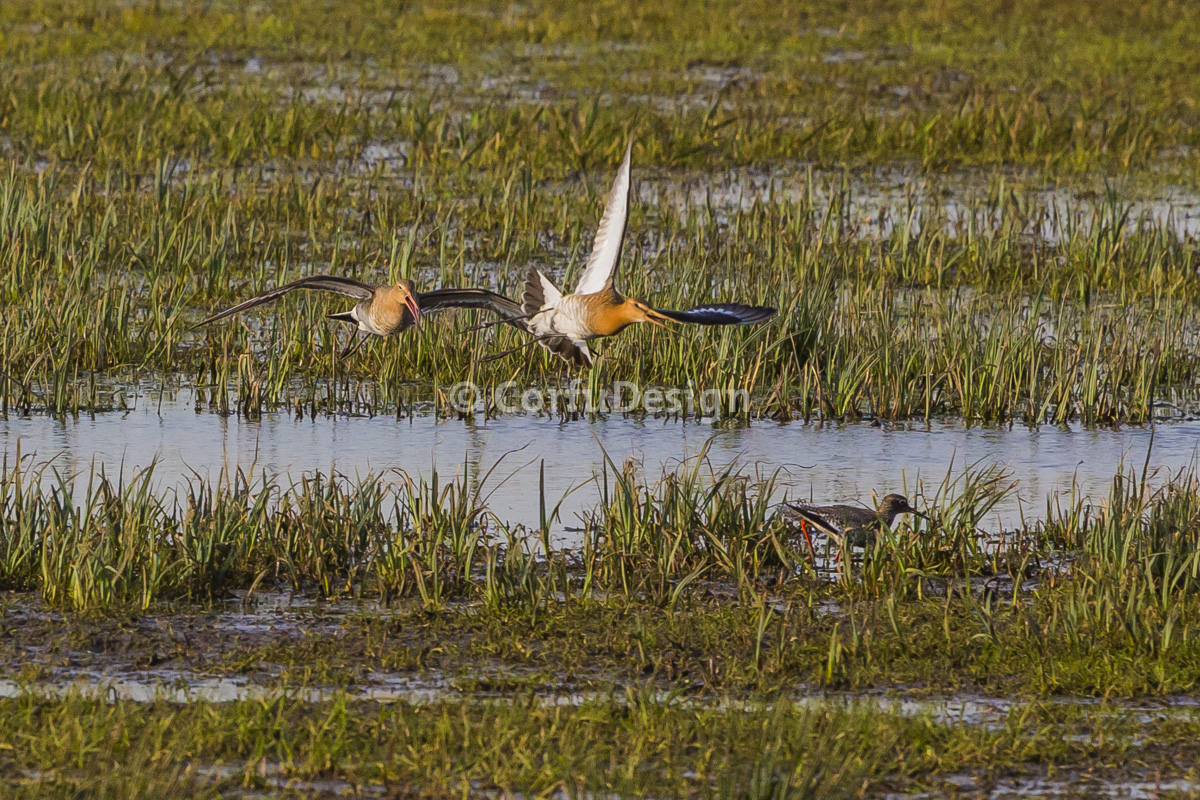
pixel 812 550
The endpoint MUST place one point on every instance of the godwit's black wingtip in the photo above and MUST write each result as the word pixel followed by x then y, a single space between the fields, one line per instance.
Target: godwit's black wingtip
pixel 757 314
pixel 721 314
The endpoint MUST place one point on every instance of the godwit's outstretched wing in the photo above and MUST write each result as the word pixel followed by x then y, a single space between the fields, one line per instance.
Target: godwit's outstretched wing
pixel 439 299
pixel 324 283
pixel 606 250
pixel 539 292
pixel 720 314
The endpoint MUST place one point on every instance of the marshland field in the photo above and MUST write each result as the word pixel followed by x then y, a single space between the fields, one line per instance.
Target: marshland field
pixel 236 565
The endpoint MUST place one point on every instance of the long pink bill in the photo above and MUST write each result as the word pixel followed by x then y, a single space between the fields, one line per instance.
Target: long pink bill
pixel 410 300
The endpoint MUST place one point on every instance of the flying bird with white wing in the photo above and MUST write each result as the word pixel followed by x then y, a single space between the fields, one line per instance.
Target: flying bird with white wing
pixel 565 323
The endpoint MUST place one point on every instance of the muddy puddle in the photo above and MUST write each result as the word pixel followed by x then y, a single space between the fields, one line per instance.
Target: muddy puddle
pixel 900 200
pixel 177 686
pixel 989 713
pixel 824 463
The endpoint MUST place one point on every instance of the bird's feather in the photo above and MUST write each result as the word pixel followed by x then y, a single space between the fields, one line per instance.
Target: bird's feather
pixel 439 299
pixel 721 314
pixel 568 350
pixel 539 292
pixel 324 283
pixel 606 249
pixel 798 512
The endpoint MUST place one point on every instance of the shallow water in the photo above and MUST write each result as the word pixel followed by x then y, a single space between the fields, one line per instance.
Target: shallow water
pixel 825 463
pixel 877 204
pixel 1076 784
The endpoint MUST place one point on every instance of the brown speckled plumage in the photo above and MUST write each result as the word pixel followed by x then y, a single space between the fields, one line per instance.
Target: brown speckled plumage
pixel 855 525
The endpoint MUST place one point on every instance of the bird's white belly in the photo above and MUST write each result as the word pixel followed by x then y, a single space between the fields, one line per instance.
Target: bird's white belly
pixel 567 318
pixel 363 317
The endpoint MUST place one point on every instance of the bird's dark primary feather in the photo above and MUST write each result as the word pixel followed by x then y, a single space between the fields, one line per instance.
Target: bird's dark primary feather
pixel 720 314
pixel 468 298
pixel 324 283
pixel 534 299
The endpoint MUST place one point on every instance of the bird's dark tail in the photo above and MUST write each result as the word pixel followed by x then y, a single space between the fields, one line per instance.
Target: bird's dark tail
pixel 345 316
pixel 800 514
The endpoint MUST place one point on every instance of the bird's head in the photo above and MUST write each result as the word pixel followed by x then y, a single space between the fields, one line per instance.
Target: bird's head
pixel 637 311
pixel 894 504
pixel 406 292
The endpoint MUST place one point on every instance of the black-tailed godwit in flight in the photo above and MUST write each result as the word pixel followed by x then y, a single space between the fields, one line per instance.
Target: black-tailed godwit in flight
pixel 564 324
pixel 383 310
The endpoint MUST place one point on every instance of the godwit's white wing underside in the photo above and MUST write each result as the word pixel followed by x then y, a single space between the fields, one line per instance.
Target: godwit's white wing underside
pixel 606 249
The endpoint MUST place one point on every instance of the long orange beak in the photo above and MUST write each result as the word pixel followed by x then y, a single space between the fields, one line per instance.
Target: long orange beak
pixel 410 300
pixel 655 318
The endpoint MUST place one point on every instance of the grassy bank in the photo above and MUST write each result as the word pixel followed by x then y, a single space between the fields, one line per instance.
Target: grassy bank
pixel 62 748
pixel 1047 85
pixel 947 310
pixel 691 581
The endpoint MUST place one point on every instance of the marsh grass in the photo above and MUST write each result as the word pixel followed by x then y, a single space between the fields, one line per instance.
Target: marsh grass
pixel 479 84
pixel 113 543
pixel 165 160
pixel 699 550
pixel 1095 600
pixel 934 317
pixel 630 744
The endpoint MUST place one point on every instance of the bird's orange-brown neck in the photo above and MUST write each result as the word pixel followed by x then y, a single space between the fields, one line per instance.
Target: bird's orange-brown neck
pixel 609 313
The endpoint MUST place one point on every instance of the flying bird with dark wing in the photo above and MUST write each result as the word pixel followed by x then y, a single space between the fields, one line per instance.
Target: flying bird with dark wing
pixel 384 310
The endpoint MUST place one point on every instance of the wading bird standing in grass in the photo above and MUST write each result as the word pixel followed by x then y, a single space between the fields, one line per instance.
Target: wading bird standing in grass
pixel 851 526
pixel 564 324
pixel 383 310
